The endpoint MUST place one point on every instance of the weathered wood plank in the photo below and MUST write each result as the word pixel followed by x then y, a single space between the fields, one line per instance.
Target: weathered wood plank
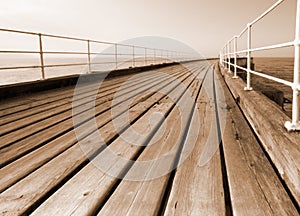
pixel 144 196
pixel 65 113
pixel 13 151
pixel 30 162
pixel 22 122
pixel 197 188
pixel 43 179
pixel 20 103
pixel 255 188
pixel 267 119
pixel 87 185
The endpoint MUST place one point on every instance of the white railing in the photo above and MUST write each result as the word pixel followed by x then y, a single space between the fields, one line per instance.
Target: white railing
pixel 226 55
pixel 136 56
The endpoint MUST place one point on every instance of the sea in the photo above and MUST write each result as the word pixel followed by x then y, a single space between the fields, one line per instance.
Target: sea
pixel 282 68
pixel 9 75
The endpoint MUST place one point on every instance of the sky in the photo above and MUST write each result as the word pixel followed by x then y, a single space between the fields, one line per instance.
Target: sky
pixel 204 25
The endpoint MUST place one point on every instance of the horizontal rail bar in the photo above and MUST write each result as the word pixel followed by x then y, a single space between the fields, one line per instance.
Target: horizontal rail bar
pixel 295 85
pixel 260 17
pixel 101 42
pixel 282 81
pixel 281 45
pixel 18 31
pixel 62 53
pixel 20 67
pixel 38 66
pixel 21 52
pixel 155 55
pixel 276 46
pixel 64 37
pixel 65 53
pixel 267 12
pixel 77 53
pixel 66 65
pixel 79 39
pixel 85 53
pixel 111 62
pixel 243 31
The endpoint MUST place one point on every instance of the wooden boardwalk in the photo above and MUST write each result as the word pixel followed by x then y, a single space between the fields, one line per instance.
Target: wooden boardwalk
pixel 50 168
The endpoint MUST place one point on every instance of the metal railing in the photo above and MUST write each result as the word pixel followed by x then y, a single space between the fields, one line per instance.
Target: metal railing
pixel 226 55
pixel 145 57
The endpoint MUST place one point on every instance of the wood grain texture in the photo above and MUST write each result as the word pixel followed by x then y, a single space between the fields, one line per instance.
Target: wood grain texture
pixel 52 173
pixel 57 109
pixel 197 189
pixel 37 158
pixel 255 188
pixel 268 120
pixel 98 184
pixel 59 126
pixel 21 103
pixel 144 196
pixel 46 171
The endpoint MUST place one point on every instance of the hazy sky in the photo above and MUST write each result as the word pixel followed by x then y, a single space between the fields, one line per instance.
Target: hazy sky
pixel 202 24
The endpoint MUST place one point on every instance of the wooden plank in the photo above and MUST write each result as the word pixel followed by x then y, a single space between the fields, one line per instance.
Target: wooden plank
pixel 54 93
pixel 65 114
pixel 121 147
pixel 36 99
pixel 62 122
pixel 267 120
pixel 76 200
pixel 35 185
pixel 13 151
pixel 22 122
pixel 97 183
pixel 144 196
pixel 13 105
pixel 197 188
pixel 107 85
pixel 255 188
pixel 65 98
pixel 25 145
pixel 62 97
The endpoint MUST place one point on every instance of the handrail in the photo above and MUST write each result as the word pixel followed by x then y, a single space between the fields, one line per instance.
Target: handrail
pixel 149 56
pixel 281 45
pixel 226 55
pixel 242 32
pixel 275 5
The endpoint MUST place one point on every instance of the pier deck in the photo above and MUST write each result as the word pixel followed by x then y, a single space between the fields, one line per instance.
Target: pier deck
pixel 52 164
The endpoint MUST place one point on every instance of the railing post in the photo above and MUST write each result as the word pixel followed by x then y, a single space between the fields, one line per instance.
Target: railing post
pixel 226 54
pixel 227 58
pixel 223 55
pixel 154 59
pixel 229 43
pixel 235 57
pixel 167 60
pixel 89 56
pixel 133 56
pixel 42 56
pixel 116 55
pixel 295 124
pixel 145 57
pixel 174 56
pixel 248 87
